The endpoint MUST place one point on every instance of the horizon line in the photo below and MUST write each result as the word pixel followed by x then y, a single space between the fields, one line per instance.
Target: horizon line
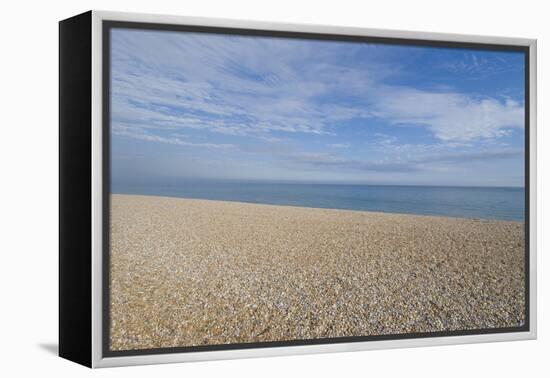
pixel 298 182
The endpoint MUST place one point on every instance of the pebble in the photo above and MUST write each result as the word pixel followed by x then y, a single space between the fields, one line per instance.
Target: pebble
pixel 192 272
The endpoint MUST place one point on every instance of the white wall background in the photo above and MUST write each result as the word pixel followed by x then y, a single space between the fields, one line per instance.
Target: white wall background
pixel 28 198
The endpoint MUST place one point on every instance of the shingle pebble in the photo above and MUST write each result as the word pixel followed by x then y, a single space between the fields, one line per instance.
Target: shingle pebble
pixel 190 272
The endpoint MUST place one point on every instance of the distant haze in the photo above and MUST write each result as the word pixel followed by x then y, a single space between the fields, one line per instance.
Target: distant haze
pixel 204 106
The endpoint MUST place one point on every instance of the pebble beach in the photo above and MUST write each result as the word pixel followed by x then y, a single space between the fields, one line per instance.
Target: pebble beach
pixel 188 272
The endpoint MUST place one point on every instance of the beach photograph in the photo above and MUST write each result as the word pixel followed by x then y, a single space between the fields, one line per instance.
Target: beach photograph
pixel 277 189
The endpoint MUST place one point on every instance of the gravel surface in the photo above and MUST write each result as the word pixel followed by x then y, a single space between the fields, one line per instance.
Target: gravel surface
pixel 192 272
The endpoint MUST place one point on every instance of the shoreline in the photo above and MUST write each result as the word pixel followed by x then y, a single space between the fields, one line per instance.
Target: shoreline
pixel 187 272
pixel 317 208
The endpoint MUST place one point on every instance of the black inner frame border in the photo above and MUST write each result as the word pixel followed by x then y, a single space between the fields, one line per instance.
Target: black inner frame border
pixel 108 25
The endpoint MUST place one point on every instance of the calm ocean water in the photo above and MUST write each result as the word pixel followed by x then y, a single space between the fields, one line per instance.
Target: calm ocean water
pixel 464 202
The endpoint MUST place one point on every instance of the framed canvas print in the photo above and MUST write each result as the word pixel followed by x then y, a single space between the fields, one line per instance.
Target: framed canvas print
pixel 237 189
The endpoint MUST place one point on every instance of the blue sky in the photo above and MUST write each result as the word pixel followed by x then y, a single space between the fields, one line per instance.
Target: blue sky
pixel 193 105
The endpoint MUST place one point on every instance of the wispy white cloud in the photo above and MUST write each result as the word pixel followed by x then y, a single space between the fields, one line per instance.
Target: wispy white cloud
pixel 174 140
pixel 451 117
pixel 238 86
pixel 264 98
pixel 338 145
pixel 476 66
pixel 426 161
pixel 257 87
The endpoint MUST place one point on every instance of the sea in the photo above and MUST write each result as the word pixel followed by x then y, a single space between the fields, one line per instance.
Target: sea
pixel 497 203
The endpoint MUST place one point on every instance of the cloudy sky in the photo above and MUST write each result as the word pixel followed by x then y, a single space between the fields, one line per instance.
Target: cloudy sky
pixel 193 105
